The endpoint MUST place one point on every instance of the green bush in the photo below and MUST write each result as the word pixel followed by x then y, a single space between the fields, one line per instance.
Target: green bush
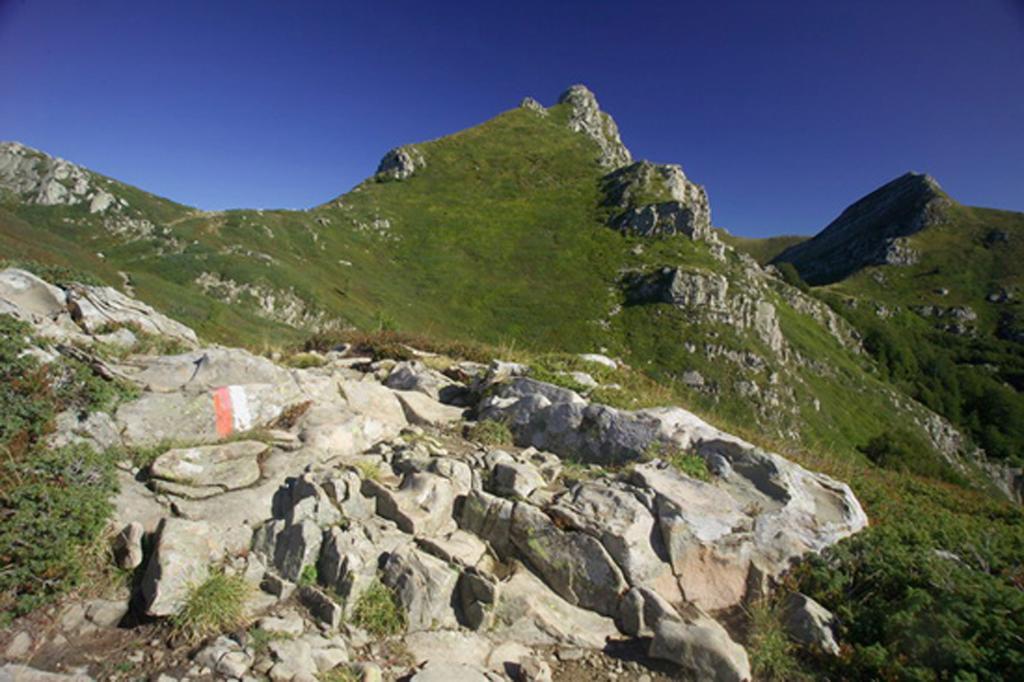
pixel 936 595
pixel 53 504
pixel 903 451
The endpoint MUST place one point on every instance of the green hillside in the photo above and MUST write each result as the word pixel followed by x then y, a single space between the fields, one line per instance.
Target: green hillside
pixel 762 249
pixel 502 236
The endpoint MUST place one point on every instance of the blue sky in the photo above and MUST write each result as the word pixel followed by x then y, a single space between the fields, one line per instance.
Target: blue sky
pixel 786 111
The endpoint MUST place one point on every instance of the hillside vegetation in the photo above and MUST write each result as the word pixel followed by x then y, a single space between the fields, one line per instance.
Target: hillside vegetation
pixel 498 242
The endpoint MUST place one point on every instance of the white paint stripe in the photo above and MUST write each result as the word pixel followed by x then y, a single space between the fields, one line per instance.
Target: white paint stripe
pixel 240 414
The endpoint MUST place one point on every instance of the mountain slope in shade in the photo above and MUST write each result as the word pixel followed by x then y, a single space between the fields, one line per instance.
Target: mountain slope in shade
pixel 870 231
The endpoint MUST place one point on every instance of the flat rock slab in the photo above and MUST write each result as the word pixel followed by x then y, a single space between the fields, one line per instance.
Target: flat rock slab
pixel 210 469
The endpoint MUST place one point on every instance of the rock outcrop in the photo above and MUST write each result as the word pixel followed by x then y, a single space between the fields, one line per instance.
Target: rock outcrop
pixel 871 231
pixel 400 163
pixel 650 200
pixel 586 117
pixel 333 495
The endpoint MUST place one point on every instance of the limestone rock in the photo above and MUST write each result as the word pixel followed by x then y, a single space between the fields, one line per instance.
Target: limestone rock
pixel 586 117
pixel 424 586
pixel 181 559
pixel 627 529
pixel 702 647
pixel 530 104
pixel 38 178
pixel 515 479
pixel 528 612
pixel 400 163
pixel 30 294
pixel 210 469
pixel 425 411
pixel 767 512
pixel 657 199
pixel 489 518
pixel 413 375
pixel 127 546
pixel 574 565
pixel 14 672
pixel 810 623
pixel 421 506
pixel 437 671
pixel 93 307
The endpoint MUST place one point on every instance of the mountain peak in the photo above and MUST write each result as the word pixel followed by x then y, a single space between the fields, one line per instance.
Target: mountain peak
pixel 872 230
pixel 588 118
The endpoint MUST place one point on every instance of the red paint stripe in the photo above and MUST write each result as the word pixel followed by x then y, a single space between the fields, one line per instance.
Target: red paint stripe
pixel 222 411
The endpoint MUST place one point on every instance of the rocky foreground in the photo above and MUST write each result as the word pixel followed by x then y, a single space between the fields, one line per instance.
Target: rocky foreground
pixel 533 559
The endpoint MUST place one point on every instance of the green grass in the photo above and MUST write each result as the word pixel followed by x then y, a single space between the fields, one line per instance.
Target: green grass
pixel 773 655
pixel 215 606
pixel 763 249
pixel 378 612
pixel 489 432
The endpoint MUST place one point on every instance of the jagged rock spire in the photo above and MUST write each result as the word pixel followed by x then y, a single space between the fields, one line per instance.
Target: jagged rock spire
pixel 587 118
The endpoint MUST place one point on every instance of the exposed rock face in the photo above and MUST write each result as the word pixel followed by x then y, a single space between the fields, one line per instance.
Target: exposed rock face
pixel 587 118
pixel 707 293
pixel 93 307
pixel 657 199
pixel 400 163
pixel 764 513
pixel 273 304
pixel 871 231
pixel 496 541
pixel 42 179
pixel 533 105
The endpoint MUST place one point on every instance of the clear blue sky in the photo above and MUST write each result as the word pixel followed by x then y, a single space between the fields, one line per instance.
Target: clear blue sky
pixel 786 111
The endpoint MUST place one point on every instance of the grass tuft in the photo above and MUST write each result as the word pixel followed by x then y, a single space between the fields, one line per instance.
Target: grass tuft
pixel 215 606
pixel 378 612
pixel 489 432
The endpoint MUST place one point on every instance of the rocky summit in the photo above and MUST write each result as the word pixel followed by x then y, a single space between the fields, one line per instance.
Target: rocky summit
pixel 512 408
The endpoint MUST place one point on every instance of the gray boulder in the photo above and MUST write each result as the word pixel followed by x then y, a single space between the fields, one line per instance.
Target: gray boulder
pixel 574 565
pixel 425 588
pixel 423 505
pixel 182 556
pixel 701 646
pixel 413 375
pixel 209 470
pixel 810 623
pixel 400 163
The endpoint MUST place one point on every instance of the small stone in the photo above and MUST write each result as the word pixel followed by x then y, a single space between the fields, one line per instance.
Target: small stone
pixel 128 546
pixel 19 646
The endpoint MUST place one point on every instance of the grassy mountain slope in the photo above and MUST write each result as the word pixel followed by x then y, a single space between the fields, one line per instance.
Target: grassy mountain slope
pixel 502 238
pixel 762 249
